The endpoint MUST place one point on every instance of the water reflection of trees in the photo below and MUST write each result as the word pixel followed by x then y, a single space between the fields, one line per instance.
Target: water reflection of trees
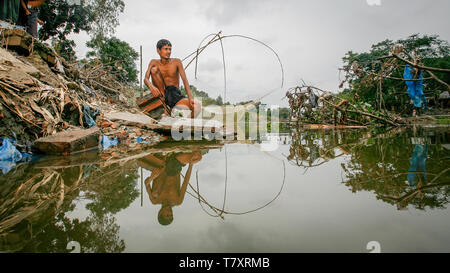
pixel 36 202
pixel 314 148
pixel 403 168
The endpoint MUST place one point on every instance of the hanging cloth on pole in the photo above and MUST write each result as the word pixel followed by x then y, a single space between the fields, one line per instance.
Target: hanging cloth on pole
pixel 415 88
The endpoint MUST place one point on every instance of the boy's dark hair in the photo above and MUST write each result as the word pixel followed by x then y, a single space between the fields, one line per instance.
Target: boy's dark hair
pixel 163 221
pixel 162 43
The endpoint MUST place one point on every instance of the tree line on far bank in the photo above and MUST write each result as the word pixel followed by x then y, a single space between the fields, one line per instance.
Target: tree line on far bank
pixel 376 78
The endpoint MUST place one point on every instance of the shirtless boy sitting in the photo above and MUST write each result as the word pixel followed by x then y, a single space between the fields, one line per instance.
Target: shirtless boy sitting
pixel 165 83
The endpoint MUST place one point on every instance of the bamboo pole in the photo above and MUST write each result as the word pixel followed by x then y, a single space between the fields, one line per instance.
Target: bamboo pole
pixel 140 84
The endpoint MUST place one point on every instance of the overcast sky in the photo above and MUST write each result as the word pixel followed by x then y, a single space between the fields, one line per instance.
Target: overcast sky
pixel 310 37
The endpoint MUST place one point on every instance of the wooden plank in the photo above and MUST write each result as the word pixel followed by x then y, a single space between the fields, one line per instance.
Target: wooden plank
pixel 328 126
pixel 17 40
pixel 146 100
pixel 68 142
pixel 151 106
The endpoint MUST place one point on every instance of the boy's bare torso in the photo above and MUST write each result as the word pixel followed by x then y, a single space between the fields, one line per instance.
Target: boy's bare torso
pixel 169 71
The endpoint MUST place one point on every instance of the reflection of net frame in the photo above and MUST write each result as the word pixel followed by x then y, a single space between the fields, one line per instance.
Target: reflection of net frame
pixel 220 212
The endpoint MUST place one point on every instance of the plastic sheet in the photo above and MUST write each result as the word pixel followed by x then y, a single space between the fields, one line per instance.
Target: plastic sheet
pixel 313 99
pixel 106 143
pixel 9 156
pixel 89 116
pixel 142 140
pixel 9 152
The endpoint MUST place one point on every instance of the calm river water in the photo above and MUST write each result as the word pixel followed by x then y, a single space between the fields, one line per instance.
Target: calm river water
pixel 320 191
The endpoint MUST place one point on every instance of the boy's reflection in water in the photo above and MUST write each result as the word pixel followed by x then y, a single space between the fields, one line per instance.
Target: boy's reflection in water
pixel 165 189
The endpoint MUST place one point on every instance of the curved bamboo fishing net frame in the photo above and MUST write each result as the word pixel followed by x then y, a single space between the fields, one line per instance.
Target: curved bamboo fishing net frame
pixel 194 56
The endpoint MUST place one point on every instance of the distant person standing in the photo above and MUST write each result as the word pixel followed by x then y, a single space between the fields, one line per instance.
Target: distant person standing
pixel 31 8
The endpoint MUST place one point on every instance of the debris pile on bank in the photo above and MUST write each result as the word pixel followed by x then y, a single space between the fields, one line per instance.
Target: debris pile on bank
pixel 42 95
pixel 312 106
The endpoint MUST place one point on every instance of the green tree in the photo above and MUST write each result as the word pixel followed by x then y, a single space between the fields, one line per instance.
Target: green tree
pixel 65 48
pixel 285 113
pixel 97 17
pixel 118 56
pixel 219 100
pixel 201 95
pixel 62 18
pixel 106 15
pixel 113 197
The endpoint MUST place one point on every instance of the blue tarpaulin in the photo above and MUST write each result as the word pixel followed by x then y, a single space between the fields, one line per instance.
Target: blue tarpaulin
pixel 415 88
pixel 9 152
pixel 106 142
pixel 9 156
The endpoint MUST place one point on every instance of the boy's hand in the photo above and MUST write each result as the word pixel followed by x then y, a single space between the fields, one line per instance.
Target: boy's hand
pixel 155 91
pixel 191 104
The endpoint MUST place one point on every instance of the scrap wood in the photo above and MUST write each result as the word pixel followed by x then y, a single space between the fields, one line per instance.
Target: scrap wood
pixel 19 86
pixel 16 111
pixel 105 87
pixel 58 112
pixel 362 113
pixel 6 100
pixel 303 111
pixel 44 112
pixel 415 65
pixel 7 88
pixel 330 126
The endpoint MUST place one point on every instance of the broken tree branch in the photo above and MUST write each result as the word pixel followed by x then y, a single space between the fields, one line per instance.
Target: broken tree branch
pixel 417 65
pixel 439 80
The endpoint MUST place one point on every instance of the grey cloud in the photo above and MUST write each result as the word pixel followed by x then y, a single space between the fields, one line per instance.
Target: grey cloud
pixel 225 12
pixel 210 65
